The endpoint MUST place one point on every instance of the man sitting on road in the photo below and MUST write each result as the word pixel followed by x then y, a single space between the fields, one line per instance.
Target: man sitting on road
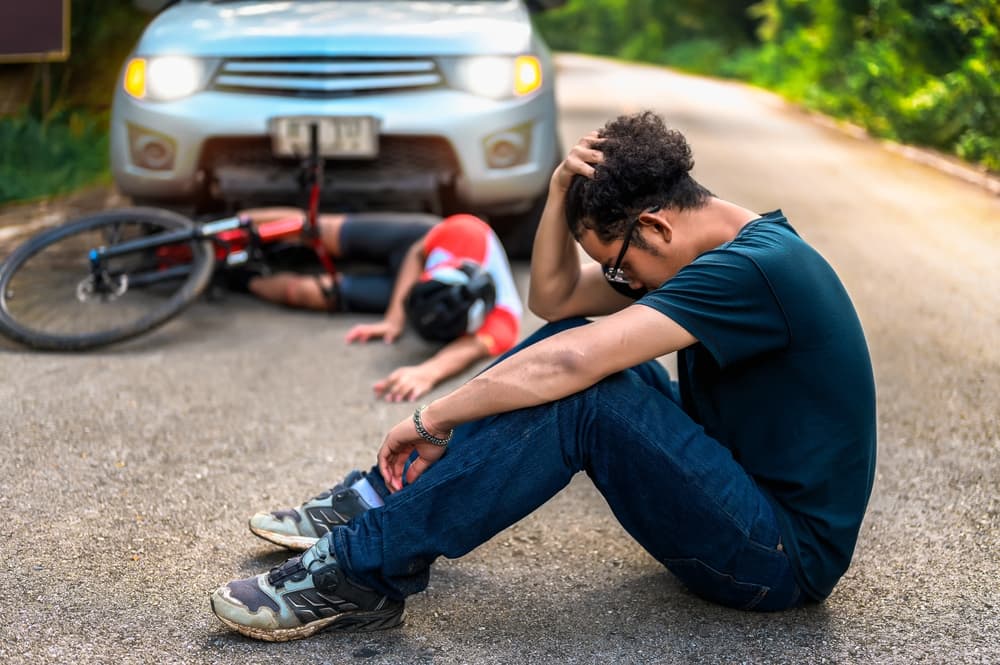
pixel 449 278
pixel 748 479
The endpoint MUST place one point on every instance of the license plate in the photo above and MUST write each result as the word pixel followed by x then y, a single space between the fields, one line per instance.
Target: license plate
pixel 340 137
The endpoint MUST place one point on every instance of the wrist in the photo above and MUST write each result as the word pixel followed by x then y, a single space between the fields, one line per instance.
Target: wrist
pixel 433 421
pixel 557 188
pixel 394 320
pixel 428 431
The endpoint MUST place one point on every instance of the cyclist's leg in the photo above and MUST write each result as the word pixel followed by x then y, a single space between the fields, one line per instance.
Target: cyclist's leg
pixel 365 293
pixel 330 230
pixel 329 224
pixel 382 237
pixel 263 215
pixel 296 290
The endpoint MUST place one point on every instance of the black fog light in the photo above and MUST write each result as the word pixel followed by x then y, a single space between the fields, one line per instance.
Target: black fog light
pixel 151 150
pixel 508 148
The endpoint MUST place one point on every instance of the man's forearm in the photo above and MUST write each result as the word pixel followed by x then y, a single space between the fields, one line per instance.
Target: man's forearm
pixel 562 365
pixel 538 374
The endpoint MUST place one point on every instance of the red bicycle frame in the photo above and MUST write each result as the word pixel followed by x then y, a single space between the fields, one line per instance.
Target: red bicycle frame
pixel 237 240
pixel 311 230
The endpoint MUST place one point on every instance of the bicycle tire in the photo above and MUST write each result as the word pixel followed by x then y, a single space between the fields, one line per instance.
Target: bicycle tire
pixel 14 309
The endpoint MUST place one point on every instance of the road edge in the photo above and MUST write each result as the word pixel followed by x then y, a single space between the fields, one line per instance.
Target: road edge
pixel 942 162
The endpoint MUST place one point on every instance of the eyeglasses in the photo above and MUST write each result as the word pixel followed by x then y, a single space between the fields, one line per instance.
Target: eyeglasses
pixel 615 274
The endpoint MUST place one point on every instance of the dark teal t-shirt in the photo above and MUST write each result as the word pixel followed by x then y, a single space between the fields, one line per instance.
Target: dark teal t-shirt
pixel 781 376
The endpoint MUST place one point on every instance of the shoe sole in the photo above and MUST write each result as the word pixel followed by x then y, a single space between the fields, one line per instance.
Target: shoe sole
pixel 297 543
pixel 353 622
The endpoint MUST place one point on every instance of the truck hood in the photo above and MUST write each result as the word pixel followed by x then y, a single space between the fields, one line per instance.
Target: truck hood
pixel 348 27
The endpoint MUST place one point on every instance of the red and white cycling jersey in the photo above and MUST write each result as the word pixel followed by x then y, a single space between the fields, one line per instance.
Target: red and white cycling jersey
pixel 465 237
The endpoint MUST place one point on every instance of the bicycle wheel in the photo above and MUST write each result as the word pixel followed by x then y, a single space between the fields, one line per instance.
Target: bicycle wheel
pixel 50 298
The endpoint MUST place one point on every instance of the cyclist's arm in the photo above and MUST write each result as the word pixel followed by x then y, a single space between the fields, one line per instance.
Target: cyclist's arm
pixel 454 357
pixel 409 273
pixel 411 382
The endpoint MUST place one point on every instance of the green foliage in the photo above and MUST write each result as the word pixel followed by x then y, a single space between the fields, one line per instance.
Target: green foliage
pixel 43 159
pixel 641 29
pixel 102 32
pixel 918 71
pixel 46 153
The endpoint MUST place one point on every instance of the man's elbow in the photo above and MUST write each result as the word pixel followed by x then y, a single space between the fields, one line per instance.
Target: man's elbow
pixel 544 308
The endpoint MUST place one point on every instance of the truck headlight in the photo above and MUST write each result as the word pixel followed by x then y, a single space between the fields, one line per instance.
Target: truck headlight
pixel 165 78
pixel 496 77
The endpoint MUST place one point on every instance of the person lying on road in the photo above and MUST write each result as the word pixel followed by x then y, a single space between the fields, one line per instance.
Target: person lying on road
pixel 450 279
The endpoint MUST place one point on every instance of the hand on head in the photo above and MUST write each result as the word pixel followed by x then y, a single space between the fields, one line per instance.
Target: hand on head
pixel 579 161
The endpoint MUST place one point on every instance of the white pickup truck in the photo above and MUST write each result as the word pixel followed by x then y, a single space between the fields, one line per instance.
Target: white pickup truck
pixel 435 105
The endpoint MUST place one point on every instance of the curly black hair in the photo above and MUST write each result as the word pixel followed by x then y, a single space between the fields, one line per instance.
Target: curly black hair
pixel 646 164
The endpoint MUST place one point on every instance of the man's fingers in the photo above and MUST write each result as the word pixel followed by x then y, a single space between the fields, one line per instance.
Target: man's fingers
pixel 391 471
pixel 383 464
pixel 417 467
pixel 398 466
pixel 578 166
pixel 587 155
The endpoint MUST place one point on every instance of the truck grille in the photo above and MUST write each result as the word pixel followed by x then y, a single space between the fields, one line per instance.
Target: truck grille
pixel 397 155
pixel 408 173
pixel 325 77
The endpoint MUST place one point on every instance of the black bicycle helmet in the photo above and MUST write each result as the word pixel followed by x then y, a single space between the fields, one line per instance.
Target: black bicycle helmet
pixel 452 302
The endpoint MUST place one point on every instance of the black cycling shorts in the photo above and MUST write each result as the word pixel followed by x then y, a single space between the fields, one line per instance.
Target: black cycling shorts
pixel 380 240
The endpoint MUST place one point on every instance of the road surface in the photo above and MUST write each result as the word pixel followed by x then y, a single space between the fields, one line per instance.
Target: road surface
pixel 128 474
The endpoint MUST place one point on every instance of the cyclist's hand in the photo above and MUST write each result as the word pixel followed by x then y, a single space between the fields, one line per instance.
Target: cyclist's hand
pixel 405 384
pixel 579 161
pixel 364 332
pixel 399 444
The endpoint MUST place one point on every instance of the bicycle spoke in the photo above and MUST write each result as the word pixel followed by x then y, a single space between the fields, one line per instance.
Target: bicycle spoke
pixel 114 236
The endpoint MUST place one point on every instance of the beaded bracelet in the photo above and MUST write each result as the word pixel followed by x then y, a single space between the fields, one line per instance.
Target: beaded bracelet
pixel 427 436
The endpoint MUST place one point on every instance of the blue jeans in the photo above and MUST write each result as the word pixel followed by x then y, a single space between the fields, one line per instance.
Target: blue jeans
pixel 677 491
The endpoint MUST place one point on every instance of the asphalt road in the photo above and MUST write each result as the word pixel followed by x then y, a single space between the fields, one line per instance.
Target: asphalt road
pixel 128 474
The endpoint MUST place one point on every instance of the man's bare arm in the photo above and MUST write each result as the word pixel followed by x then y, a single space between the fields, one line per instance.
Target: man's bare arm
pixel 549 370
pixel 562 365
pixel 560 287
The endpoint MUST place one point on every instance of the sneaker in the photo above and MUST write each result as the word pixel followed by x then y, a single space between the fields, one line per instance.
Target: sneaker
pixel 306 594
pixel 300 528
